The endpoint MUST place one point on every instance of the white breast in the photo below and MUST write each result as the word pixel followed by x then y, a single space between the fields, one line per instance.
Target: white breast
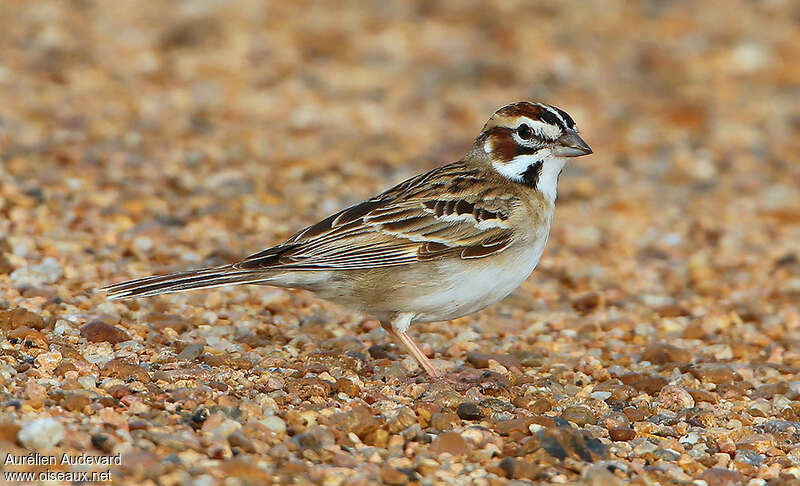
pixel 469 286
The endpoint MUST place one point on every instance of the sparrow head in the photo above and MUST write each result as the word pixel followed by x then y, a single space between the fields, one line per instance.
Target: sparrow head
pixel 529 142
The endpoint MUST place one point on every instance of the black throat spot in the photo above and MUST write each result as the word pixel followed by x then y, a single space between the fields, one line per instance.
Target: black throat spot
pixel 531 175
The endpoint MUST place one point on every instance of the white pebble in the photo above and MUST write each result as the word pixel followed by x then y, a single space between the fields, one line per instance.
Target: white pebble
pixel 601 395
pixel 88 382
pixel 48 361
pixel 41 433
pixel 275 424
pixel 143 244
pixel 62 327
pixel 46 272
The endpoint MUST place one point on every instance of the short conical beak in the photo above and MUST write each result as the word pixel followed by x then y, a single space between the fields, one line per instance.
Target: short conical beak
pixel 571 145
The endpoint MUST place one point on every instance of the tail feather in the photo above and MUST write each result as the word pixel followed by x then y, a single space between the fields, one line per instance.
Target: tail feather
pixel 181 281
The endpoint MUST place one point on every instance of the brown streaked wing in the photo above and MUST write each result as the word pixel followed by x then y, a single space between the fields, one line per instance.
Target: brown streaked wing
pixel 421 219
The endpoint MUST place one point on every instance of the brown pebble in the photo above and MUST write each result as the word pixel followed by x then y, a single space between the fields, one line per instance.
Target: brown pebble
pixel 404 419
pixel 64 367
pixel 469 411
pixel 191 352
pixel 588 302
pixel 541 406
pixel 445 421
pixel 5 266
pixel 19 317
pixel 450 443
pixel 581 416
pixel 672 310
pixel 481 360
pixel 635 414
pixel 702 395
pixel 675 398
pixel 392 476
pixel 646 383
pixel 75 402
pixel 98 331
pixel 713 373
pixel 117 368
pixel 360 420
pixel 306 388
pixel 515 468
pixel 329 360
pixel 696 330
pixel 663 353
pixel 621 433
pixel 9 431
pixel 562 442
pixel 520 426
pixel 722 477
pixel 347 386
pixel 769 390
pixel 119 391
pixel 242 442
pixel 160 321
pixel 619 392
pixel 225 359
pixel 28 337
pixel 245 471
pixel 445 397
pixel 137 424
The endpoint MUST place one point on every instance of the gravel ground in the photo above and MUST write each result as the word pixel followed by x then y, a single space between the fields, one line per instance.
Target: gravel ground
pixel 658 342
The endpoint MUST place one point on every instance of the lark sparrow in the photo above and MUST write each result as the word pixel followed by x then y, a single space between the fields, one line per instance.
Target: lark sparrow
pixel 438 246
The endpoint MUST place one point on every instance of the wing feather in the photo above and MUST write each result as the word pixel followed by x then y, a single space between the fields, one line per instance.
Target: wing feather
pixel 431 216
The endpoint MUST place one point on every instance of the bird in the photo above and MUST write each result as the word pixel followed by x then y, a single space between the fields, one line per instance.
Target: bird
pixel 435 247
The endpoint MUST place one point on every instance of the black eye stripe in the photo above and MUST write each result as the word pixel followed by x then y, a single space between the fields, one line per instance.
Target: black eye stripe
pixel 550 118
pixel 566 117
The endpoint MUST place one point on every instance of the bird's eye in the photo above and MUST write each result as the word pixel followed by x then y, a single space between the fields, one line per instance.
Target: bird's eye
pixel 525 132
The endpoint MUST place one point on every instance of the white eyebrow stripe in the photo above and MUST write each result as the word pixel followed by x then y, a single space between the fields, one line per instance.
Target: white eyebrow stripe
pixel 554 112
pixel 544 130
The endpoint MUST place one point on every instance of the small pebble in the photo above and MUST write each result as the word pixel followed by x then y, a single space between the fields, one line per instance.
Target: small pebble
pixel 47 272
pixel 98 331
pixel 621 433
pixel 274 423
pixel 469 411
pixel 449 443
pixel 675 398
pixel 48 361
pixel 41 433
pixel 722 477
pixel 580 416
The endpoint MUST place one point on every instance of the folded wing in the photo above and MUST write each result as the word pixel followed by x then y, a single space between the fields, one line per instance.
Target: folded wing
pixel 428 217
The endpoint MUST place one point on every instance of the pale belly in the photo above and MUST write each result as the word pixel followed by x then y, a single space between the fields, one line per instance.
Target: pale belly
pixel 465 289
pixel 431 291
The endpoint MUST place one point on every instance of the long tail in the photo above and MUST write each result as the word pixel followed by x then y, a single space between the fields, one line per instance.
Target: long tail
pixel 181 281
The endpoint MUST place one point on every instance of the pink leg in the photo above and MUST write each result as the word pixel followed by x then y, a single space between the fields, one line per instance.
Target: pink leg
pixel 412 348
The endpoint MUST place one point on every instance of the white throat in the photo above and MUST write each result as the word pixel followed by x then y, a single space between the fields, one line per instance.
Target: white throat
pixel 547 181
